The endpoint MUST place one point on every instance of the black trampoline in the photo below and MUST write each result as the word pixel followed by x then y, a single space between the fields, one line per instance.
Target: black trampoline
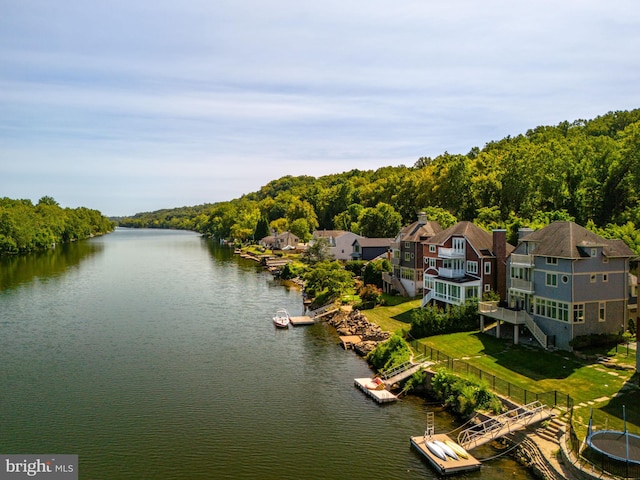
pixel 613 444
pixel 622 446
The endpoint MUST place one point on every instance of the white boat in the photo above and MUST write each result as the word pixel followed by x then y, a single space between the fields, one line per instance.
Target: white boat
pixel 436 450
pixel 281 319
pixel 446 449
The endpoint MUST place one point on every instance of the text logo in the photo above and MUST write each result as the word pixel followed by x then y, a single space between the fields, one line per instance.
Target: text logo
pixel 44 467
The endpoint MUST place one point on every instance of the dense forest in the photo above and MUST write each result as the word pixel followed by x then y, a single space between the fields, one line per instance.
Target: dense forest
pixel 25 227
pixel 587 171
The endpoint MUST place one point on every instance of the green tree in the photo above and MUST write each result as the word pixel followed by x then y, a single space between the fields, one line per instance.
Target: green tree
pixel 380 222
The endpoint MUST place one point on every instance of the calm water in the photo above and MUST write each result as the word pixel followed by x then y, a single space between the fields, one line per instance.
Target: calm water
pixel 151 355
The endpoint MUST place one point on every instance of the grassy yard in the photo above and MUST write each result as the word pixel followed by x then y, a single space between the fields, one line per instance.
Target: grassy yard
pixel 605 387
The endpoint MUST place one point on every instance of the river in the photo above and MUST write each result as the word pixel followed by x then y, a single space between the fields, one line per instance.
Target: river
pixel 151 355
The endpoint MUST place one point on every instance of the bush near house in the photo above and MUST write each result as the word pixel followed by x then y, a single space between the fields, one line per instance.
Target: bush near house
pixel 433 320
pixel 464 395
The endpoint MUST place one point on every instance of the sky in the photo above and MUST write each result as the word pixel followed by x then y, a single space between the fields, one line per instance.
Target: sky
pixel 128 106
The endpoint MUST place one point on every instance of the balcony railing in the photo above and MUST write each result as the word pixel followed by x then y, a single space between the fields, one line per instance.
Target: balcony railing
pixel 525 285
pixel 450 252
pixel 520 259
pixel 451 272
pixel 516 317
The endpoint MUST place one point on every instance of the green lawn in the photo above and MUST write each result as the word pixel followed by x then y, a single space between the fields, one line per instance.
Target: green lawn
pixel 590 384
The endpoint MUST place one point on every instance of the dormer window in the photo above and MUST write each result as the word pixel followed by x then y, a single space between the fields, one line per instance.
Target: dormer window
pixel 552 261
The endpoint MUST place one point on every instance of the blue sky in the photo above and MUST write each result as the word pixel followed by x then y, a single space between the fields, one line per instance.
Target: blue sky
pixel 136 105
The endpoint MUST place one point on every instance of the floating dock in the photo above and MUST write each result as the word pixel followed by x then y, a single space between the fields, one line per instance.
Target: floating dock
pixel 449 466
pixel 302 320
pixel 380 396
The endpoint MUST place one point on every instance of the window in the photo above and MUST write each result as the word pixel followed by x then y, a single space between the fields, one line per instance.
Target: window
pixel 396 253
pixel 487 268
pixel 487 287
pixel 432 263
pixel 432 249
pixel 592 279
pixel 407 273
pixel 458 244
pixel 594 252
pixel 407 256
pixel 605 259
pixel 428 281
pixel 605 277
pixel 472 267
pixel 565 278
pixel 602 312
pixel 552 261
pixel 552 280
pixel 471 292
pixel 578 313
pixel 407 244
pixel 552 309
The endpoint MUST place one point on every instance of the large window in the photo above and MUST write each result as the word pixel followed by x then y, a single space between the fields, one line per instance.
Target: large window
pixel 602 312
pixel 552 309
pixel 407 273
pixel 487 268
pixel 552 280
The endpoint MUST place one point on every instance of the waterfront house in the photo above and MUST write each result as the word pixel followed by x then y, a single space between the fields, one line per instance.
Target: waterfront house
pixel 563 282
pixel 407 257
pixel 463 262
pixel 281 241
pixel 370 248
pixel 340 242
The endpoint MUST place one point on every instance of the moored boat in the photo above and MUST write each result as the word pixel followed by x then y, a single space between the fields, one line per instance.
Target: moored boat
pixel 281 319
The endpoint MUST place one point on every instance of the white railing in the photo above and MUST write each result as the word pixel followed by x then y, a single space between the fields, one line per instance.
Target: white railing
pixel 450 252
pixel 516 317
pixel 500 425
pixel 451 272
pixel 535 330
pixel 427 298
pixel 520 259
pixel 520 284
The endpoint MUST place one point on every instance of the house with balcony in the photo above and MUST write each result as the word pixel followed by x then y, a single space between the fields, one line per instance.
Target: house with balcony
pixel 407 257
pixel 340 242
pixel 463 262
pixel 563 282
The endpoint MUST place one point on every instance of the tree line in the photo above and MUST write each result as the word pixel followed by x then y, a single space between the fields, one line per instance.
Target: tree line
pixel 587 171
pixel 25 227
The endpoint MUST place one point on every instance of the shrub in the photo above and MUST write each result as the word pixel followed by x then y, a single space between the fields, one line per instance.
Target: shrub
pixel 464 395
pixel 390 354
pixel 433 320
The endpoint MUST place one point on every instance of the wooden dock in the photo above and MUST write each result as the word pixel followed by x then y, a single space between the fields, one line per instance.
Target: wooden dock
pixel 348 341
pixel 380 396
pixel 301 320
pixel 449 466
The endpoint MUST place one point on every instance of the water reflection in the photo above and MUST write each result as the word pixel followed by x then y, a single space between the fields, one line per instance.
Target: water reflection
pixel 21 269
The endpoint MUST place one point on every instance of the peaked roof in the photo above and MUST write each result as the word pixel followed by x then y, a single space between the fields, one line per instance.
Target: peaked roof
pixel 568 240
pixel 480 240
pixel 373 242
pixel 329 233
pixel 418 230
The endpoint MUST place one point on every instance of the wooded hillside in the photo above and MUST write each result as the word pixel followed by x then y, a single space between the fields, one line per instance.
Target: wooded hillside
pixel 586 170
pixel 25 227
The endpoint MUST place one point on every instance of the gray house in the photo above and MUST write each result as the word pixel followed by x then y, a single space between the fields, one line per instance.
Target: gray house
pixel 564 281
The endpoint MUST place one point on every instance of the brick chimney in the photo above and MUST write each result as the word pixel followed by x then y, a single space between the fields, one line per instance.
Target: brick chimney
pixel 500 252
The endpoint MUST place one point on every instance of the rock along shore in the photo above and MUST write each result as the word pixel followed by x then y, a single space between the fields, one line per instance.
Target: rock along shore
pixel 355 323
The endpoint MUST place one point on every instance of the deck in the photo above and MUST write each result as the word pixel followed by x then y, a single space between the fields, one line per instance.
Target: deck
pixel 444 467
pixel 380 396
